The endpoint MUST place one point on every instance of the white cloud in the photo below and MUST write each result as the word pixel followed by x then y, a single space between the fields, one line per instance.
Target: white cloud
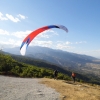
pixel 80 42
pixel 21 16
pixel 42 43
pixel 3 32
pixel 15 43
pixel 21 34
pixel 62 42
pixel 63 46
pixel 10 43
pixel 2 17
pixel 43 35
pixel 46 34
pixel 11 17
pixel 96 50
pixel 51 31
pixel 14 19
pixel 67 42
pixel 5 42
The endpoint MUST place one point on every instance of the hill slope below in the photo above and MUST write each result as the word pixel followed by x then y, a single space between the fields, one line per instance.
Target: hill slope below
pixel 74 91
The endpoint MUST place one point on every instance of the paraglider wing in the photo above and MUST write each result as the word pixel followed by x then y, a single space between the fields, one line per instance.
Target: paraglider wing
pixel 33 34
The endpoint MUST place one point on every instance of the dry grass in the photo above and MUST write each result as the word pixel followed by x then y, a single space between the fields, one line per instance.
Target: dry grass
pixel 73 91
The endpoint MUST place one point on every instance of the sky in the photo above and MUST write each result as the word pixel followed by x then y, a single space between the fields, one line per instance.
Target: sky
pixel 18 18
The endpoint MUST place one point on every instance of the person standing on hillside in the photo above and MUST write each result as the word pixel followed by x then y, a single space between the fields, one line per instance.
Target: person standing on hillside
pixel 73 76
pixel 55 74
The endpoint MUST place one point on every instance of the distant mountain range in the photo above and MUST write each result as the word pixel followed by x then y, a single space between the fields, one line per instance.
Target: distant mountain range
pixel 70 61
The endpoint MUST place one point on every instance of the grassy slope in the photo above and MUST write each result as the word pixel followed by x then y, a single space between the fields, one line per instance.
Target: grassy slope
pixel 73 91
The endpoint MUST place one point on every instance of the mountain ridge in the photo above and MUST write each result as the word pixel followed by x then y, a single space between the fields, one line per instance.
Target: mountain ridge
pixel 69 61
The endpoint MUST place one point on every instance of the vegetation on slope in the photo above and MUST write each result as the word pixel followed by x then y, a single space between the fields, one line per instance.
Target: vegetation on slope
pixel 9 66
pixel 34 68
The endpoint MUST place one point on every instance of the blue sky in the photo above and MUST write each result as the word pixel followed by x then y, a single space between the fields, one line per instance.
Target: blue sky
pixel 82 18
